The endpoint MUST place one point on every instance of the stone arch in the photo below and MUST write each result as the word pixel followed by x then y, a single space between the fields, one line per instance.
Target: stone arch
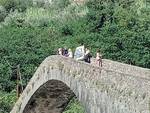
pixel 50 76
pixel 60 89
pixel 114 88
pixel 51 97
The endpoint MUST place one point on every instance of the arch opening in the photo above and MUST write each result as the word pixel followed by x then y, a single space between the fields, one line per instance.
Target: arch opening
pixel 52 97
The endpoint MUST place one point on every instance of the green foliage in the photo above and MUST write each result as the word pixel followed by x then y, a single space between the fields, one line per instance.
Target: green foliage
pixel 40 3
pixel 60 4
pixel 26 46
pixel 8 4
pixel 7 101
pixel 66 30
pixel 22 5
pixel 74 107
pixel 3 13
pixel 5 7
pixel 52 5
pixel 115 27
pixel 33 17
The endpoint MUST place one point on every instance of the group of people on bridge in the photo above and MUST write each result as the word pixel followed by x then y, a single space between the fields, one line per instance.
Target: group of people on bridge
pixel 81 54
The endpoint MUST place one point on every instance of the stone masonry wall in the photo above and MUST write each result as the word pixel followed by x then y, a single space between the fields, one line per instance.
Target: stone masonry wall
pixel 114 88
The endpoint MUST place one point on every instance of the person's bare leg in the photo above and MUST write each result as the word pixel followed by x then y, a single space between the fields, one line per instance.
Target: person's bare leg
pixel 101 63
pixel 97 63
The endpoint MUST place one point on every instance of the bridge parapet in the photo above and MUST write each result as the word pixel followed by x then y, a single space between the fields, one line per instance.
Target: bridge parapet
pixel 114 88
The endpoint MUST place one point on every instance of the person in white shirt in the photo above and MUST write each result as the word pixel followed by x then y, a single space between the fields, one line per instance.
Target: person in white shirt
pixel 99 58
pixel 79 53
pixel 70 53
pixel 60 51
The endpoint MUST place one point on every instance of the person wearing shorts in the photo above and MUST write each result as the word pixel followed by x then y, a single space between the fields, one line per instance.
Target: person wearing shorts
pixel 99 58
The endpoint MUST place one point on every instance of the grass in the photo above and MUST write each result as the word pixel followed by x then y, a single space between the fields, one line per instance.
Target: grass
pixel 74 106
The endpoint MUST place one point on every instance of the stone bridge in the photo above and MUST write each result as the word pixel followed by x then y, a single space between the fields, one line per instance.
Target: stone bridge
pixel 114 88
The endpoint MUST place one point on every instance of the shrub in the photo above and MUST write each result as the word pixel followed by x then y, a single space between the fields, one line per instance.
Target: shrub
pixel 60 4
pixel 3 13
pixel 20 5
pixel 40 3
pixel 8 4
pixel 74 107
pixel 67 30
pixel 14 18
pixel 7 101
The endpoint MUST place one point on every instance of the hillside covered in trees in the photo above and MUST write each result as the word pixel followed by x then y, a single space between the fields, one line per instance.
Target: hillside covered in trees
pixel 32 30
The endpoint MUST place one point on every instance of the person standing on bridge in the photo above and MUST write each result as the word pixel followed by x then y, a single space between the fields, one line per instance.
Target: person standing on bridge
pixel 65 52
pixel 87 57
pixel 70 53
pixel 60 51
pixel 99 58
pixel 80 53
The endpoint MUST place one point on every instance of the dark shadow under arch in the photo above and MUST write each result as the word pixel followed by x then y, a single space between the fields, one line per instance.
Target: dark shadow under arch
pixel 52 97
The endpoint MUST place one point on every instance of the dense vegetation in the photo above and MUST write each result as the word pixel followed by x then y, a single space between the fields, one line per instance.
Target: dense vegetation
pixel 74 107
pixel 30 32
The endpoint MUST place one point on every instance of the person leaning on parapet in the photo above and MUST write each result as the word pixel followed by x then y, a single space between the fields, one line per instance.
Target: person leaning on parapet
pixel 99 58
pixel 70 53
pixel 65 52
pixel 80 52
pixel 87 57
pixel 60 51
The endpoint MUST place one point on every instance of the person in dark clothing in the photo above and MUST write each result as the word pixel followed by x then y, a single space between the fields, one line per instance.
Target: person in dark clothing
pixel 87 57
pixel 65 52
